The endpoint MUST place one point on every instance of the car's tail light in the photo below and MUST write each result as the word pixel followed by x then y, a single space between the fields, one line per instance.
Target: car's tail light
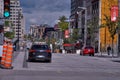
pixel 48 51
pixel 85 50
pixel 31 50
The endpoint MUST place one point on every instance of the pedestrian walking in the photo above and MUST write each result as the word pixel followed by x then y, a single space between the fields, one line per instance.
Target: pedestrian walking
pixel 108 50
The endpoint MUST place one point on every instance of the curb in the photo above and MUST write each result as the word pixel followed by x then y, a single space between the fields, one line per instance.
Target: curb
pixel 3 67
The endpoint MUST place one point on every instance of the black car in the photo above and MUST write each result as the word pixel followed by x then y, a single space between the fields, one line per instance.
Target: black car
pixel 39 52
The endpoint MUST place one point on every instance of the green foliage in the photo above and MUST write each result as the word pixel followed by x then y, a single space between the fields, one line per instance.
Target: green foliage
pixel 62 18
pixel 112 26
pixel 75 35
pixel 67 40
pixel 93 26
pixel 6 23
pixel 118 25
pixel 63 24
pixel 9 35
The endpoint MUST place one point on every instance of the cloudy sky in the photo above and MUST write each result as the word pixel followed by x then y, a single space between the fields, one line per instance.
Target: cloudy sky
pixel 44 11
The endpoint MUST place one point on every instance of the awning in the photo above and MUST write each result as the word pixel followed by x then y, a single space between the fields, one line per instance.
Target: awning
pixel 67 44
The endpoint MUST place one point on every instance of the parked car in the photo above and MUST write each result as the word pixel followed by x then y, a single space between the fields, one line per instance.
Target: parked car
pixel 87 50
pixel 40 52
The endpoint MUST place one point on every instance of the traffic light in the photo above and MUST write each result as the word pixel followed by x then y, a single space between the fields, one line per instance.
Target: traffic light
pixel 6 8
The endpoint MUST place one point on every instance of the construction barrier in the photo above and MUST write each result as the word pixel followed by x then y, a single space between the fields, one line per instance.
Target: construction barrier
pixel 4 53
pixel 8 59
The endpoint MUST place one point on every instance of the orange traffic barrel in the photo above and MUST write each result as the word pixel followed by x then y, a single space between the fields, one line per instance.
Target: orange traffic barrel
pixel 8 59
pixel 4 53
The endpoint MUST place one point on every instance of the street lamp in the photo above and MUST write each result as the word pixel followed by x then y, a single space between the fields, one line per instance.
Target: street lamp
pixel 85 26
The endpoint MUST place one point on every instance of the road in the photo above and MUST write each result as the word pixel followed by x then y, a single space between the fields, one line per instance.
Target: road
pixel 62 67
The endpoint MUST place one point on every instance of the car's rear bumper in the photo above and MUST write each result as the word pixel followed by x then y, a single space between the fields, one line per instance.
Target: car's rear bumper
pixel 46 57
pixel 88 53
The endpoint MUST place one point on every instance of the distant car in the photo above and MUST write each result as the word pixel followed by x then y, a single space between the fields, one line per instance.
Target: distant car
pixel 40 52
pixel 88 50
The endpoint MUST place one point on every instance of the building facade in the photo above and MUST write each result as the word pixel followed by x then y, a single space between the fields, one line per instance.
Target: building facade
pixel 105 38
pixel 96 9
pixel 17 19
pixel 37 31
pixel 1 8
pixel 75 12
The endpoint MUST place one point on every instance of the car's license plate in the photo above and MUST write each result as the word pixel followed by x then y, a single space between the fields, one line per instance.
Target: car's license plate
pixel 40 56
pixel 41 50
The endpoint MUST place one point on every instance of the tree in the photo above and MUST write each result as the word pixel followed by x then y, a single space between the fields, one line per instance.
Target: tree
pixel 9 35
pixel 7 23
pixel 93 27
pixel 63 25
pixel 75 35
pixel 112 27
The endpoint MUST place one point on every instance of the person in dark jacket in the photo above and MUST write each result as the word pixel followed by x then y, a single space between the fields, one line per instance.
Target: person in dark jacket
pixel 108 50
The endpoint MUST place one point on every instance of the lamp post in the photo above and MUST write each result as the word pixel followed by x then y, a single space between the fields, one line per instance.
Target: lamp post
pixel 85 26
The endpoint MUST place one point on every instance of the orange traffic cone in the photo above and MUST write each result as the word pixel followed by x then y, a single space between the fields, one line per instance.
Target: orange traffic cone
pixel 8 59
pixel 4 53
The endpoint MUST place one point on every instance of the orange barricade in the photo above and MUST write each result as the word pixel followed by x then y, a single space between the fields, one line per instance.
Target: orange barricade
pixel 4 53
pixel 8 59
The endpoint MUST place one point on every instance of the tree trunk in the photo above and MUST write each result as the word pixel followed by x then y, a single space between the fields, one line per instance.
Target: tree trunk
pixel 112 47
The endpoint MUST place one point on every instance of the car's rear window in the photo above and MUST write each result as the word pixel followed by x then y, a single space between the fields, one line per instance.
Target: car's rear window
pixel 40 47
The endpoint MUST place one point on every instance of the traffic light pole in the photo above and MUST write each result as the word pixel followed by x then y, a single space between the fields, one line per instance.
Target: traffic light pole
pixel 18 29
pixel 1 37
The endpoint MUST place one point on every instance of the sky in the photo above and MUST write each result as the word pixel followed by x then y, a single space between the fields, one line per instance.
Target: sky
pixel 44 11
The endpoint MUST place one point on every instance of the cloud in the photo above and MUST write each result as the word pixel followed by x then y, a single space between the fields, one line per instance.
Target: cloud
pixel 44 11
pixel 32 20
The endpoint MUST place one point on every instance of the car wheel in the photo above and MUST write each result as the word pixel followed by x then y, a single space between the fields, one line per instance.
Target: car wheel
pixel 92 54
pixel 81 54
pixel 49 61
pixel 89 54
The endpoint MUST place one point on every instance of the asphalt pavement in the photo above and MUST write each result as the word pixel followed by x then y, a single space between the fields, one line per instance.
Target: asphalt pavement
pixel 20 58
pixel 63 67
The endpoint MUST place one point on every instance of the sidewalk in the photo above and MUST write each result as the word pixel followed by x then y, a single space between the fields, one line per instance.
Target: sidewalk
pixel 18 60
pixel 104 54
pixel 114 57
